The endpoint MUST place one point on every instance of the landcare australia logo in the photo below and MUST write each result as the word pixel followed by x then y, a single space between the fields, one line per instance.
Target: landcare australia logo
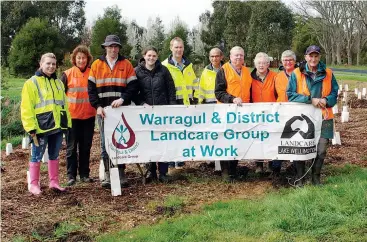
pixel 296 141
pixel 123 137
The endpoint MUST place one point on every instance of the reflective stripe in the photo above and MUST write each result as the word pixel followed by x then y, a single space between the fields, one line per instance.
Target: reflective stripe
pixel 38 88
pixel 210 99
pixel 132 78
pixel 179 96
pixel 190 95
pixel 189 87
pixel 109 94
pixel 78 100
pixel 48 102
pixel 109 80
pixel 78 89
pixel 207 91
pixel 179 88
pixel 196 81
pixel 92 79
pixel 201 96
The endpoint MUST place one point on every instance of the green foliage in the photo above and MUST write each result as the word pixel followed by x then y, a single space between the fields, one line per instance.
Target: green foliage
pixel 65 228
pixel 14 140
pixel 4 78
pixel 157 36
pixel 255 26
pixel 179 29
pixel 67 17
pixel 302 36
pixel 109 23
pixel 333 212
pixel 270 29
pixel 34 39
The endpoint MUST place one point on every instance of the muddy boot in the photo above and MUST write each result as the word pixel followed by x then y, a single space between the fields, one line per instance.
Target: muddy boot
pixel 300 172
pixel 232 170
pixel 275 177
pixel 152 172
pixel 106 183
pixel 259 168
pixel 122 175
pixel 316 171
pixel 224 167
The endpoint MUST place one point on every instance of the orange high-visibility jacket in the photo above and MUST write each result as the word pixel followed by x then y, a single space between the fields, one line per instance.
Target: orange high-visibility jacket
pixel 302 88
pixel 281 83
pixel 236 85
pixel 263 91
pixel 77 94
pixel 106 85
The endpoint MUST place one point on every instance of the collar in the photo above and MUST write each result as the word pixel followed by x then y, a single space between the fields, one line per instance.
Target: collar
pixel 39 72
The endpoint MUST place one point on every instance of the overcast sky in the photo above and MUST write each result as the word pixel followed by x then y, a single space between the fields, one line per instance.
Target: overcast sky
pixel 140 10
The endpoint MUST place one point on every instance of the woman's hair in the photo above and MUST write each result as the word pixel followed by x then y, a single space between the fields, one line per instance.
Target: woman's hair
pixel 49 55
pixel 261 55
pixel 289 53
pixel 145 50
pixel 82 49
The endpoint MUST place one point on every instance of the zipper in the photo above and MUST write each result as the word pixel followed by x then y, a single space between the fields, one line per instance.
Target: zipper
pixel 151 87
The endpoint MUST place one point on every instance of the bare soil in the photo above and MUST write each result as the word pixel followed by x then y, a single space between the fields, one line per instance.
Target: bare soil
pixel 97 212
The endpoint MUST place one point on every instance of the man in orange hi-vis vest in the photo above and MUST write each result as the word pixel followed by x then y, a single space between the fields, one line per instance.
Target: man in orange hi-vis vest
pixel 80 136
pixel 112 82
pixel 313 83
pixel 232 85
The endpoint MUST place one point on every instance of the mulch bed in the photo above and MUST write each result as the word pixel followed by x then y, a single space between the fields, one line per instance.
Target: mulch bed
pixel 93 207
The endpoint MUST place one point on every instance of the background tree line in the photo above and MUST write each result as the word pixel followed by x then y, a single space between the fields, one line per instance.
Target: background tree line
pixel 30 28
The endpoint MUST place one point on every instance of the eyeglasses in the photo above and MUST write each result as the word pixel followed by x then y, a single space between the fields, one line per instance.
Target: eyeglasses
pixel 288 60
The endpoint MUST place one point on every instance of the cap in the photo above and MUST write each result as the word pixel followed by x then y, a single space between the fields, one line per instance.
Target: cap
pixel 313 49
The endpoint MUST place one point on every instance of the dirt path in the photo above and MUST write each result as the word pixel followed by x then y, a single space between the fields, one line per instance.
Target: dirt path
pixel 96 211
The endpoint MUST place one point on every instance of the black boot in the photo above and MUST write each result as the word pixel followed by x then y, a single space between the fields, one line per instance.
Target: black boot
pixel 152 172
pixel 316 171
pixel 300 172
pixel 224 168
pixel 122 176
pixel 232 170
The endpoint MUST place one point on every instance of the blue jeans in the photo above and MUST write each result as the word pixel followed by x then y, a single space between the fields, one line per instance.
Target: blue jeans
pixel 53 141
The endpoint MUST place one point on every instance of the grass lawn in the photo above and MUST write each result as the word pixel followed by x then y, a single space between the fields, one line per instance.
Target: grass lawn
pixel 15 88
pixel 336 211
pixel 348 67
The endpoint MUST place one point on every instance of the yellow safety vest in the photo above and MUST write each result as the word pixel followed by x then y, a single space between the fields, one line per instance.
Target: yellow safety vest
pixel 44 107
pixel 185 81
pixel 207 86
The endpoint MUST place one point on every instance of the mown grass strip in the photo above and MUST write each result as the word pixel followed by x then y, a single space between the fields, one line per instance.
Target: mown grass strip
pixel 336 211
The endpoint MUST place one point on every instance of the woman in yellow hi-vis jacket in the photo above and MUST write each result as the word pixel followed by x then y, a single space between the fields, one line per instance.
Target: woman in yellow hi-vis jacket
pixel 45 114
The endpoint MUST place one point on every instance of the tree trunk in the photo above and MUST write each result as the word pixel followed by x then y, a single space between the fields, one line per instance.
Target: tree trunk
pixel 338 53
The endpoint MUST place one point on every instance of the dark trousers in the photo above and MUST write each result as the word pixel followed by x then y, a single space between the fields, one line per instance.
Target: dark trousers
pixel 162 168
pixel 79 142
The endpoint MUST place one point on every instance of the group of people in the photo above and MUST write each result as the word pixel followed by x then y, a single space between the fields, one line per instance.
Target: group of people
pixel 51 107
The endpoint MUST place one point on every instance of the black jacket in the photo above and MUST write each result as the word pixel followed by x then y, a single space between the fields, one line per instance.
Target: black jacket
pixel 156 87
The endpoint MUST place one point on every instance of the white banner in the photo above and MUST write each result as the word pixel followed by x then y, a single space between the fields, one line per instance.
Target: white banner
pixel 283 131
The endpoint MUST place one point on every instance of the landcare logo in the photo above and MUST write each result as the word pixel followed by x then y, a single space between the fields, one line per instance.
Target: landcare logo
pixel 123 137
pixel 292 144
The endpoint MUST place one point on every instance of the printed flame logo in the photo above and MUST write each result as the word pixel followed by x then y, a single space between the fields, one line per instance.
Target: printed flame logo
pixel 123 129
